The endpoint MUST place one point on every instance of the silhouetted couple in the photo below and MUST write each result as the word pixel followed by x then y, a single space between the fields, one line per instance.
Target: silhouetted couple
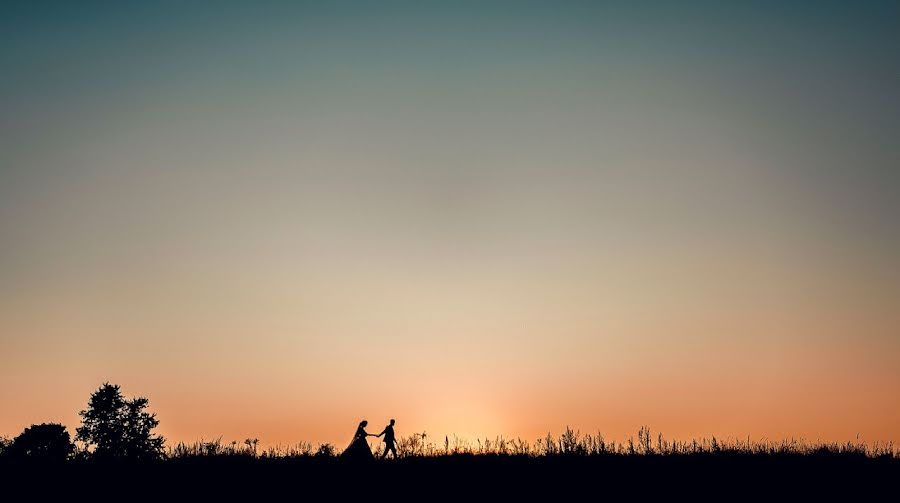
pixel 359 447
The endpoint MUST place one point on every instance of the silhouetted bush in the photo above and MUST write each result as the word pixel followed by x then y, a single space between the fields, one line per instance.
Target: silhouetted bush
pixel 42 442
pixel 326 451
pixel 116 428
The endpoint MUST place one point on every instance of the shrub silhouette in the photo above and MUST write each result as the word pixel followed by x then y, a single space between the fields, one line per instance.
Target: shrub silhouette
pixel 117 428
pixel 44 442
pixel 326 451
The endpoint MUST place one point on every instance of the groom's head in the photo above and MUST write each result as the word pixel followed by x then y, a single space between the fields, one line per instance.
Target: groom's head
pixel 392 422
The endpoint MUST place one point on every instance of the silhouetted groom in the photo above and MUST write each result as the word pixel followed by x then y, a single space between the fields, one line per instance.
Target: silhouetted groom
pixel 389 440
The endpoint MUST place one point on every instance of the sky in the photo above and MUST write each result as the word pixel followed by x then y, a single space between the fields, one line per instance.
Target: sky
pixel 275 219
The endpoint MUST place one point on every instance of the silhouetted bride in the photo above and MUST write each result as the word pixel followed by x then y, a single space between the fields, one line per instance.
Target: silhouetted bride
pixel 359 447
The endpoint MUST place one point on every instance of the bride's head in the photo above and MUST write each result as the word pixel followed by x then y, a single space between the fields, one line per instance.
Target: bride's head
pixel 363 423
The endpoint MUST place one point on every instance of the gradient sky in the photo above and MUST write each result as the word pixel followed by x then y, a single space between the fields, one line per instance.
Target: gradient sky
pixel 479 218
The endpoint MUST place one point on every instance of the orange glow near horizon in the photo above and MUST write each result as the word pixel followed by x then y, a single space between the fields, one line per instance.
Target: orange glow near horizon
pixel 764 388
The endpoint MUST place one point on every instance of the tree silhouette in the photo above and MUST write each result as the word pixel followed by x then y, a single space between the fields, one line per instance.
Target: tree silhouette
pixel 117 428
pixel 45 442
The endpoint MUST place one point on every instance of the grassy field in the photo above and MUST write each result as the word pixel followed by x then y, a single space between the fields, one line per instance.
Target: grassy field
pixel 568 444
pixel 567 467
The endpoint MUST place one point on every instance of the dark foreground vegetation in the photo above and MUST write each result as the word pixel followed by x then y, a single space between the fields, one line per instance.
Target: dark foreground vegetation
pixel 723 475
pixel 118 458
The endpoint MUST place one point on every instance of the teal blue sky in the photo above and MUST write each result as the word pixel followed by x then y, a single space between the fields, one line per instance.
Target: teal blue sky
pixel 816 79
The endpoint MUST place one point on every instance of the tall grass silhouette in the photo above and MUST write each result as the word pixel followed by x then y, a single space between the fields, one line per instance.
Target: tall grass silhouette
pixel 570 443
